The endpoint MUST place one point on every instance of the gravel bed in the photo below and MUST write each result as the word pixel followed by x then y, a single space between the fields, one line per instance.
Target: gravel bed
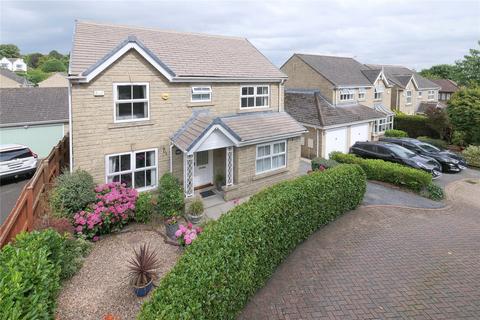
pixel 101 287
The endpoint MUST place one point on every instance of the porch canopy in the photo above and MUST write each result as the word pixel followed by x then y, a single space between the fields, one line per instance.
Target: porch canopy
pixel 204 131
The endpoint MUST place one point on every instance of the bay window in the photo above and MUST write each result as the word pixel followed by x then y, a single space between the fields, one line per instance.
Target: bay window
pixel 131 102
pixel 271 156
pixel 383 124
pixel 431 95
pixel 254 96
pixel 136 169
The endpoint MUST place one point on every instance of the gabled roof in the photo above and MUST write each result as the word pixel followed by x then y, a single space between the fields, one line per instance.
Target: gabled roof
pixel 33 105
pixel 240 129
pixel 186 55
pixel 424 105
pixel 309 107
pixel 398 75
pixel 15 77
pixel 446 85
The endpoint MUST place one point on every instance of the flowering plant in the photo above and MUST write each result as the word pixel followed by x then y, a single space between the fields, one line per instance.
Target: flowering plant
pixel 114 208
pixel 186 234
pixel 173 220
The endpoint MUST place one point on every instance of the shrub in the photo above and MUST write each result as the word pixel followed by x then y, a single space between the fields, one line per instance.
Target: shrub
pixel 114 209
pixel 472 155
pixel 434 192
pixel 396 133
pixel 196 207
pixel 31 269
pixel 71 193
pixel 236 255
pixel 394 173
pixel 326 163
pixel 144 207
pixel 459 138
pixel 437 119
pixel 170 197
pixel 435 142
pixel 464 112
pixel 414 125
pixel 53 65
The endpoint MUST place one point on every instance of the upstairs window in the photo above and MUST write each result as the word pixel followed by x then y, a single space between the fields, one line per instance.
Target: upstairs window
pixel 420 94
pixel 202 94
pixel 378 93
pixel 254 96
pixel 131 102
pixel 408 99
pixel 361 94
pixel 347 94
pixel 431 95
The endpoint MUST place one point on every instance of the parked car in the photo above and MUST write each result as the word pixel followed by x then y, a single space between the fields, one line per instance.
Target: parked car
pixel 450 161
pixel 395 153
pixel 16 160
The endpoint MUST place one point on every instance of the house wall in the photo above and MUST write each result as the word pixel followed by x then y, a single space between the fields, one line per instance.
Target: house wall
pixel 309 151
pixel 56 80
pixel 8 83
pixel 95 134
pixel 247 182
pixel 369 100
pixel 301 75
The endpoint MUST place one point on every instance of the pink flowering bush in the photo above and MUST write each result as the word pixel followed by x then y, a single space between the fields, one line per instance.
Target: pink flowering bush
pixel 186 235
pixel 114 208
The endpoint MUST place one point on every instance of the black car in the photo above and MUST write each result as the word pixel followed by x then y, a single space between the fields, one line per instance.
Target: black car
pixel 450 161
pixel 395 153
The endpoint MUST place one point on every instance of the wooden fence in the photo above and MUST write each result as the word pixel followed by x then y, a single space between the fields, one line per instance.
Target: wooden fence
pixel 29 206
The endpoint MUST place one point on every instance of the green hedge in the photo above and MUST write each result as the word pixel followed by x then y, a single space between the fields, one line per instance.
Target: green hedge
pixel 396 133
pixel 414 125
pixel 31 270
pixel 236 255
pixel 394 173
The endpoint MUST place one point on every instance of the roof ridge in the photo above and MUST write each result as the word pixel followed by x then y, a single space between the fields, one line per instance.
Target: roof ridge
pixel 159 30
pixel 323 55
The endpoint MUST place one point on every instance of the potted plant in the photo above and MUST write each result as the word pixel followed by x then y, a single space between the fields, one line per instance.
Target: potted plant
pixel 219 181
pixel 195 210
pixel 171 226
pixel 143 266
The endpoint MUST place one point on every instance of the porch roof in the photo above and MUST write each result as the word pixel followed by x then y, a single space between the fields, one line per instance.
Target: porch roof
pixel 240 129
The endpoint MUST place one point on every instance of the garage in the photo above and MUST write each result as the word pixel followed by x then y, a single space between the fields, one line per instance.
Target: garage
pixel 358 133
pixel 336 140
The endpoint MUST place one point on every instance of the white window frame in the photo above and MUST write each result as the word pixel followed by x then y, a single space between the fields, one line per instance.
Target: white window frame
pixel 200 88
pixel 408 98
pixel 133 167
pixel 420 94
pixel 116 101
pixel 347 94
pixel 383 124
pixel 431 95
pixel 377 95
pixel 255 95
pixel 362 92
pixel 271 155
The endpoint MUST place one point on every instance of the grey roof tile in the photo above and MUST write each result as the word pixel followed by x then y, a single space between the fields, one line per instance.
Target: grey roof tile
pixel 397 75
pixel 446 85
pixel 15 77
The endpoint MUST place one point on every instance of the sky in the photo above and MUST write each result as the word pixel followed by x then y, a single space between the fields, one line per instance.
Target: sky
pixel 417 34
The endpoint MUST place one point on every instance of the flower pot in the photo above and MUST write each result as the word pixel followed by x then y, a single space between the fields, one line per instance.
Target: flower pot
pixel 171 229
pixel 143 291
pixel 194 219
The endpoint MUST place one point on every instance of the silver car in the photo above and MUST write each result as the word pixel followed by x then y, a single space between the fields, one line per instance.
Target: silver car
pixel 16 160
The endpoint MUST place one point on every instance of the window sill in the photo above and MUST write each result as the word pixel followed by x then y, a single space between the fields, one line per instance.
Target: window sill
pixel 269 174
pixel 200 104
pixel 130 124
pixel 251 109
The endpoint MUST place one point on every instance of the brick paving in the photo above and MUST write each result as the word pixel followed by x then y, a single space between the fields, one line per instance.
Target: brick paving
pixel 381 262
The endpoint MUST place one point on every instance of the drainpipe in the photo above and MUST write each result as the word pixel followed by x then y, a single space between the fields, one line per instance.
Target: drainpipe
pixel 171 157
pixel 70 127
pixel 280 108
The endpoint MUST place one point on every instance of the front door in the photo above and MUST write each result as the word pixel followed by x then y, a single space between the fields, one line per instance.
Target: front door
pixel 203 171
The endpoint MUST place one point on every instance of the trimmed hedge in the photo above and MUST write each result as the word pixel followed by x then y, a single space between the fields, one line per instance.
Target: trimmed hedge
pixel 435 142
pixel 326 163
pixel 237 254
pixel 394 173
pixel 414 125
pixel 396 133
pixel 31 269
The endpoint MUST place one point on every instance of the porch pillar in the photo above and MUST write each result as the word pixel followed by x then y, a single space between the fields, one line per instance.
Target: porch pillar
pixel 229 166
pixel 188 164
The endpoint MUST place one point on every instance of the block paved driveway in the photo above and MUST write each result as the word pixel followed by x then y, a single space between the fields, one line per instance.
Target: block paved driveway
pixel 383 262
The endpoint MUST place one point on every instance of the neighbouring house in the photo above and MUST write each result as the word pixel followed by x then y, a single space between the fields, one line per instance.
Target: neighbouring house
pixel 145 102
pixel 35 117
pixel 57 79
pixel 338 99
pixel 13 64
pixel 9 79
pixel 447 88
pixel 411 93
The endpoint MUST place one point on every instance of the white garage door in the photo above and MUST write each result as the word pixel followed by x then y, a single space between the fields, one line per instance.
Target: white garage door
pixel 358 133
pixel 335 140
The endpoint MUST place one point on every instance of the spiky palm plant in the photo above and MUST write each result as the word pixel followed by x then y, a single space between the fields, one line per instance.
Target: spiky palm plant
pixel 143 265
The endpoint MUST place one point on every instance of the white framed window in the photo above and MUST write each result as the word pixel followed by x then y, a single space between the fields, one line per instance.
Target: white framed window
pixel 420 94
pixel 131 102
pixel 408 97
pixel 361 94
pixel 383 124
pixel 137 169
pixel 431 95
pixel 202 94
pixel 5 65
pixel 378 92
pixel 302 140
pixel 347 94
pixel 271 156
pixel 254 96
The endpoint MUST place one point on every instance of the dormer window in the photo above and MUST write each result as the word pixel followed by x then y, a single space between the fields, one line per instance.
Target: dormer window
pixel 202 94
pixel 347 94
pixel 378 93
pixel 361 94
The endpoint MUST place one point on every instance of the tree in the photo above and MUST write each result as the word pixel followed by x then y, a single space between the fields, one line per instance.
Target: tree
pixel 468 69
pixel 36 75
pixel 53 65
pixel 438 120
pixel 441 71
pixel 464 113
pixel 33 59
pixel 55 54
pixel 9 51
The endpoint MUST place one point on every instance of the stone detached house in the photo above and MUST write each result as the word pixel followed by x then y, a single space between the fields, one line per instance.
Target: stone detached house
pixel 447 89
pixel 13 64
pixel 145 102
pixel 338 99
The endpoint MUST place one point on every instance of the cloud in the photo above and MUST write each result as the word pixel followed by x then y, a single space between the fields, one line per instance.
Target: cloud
pixel 413 33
